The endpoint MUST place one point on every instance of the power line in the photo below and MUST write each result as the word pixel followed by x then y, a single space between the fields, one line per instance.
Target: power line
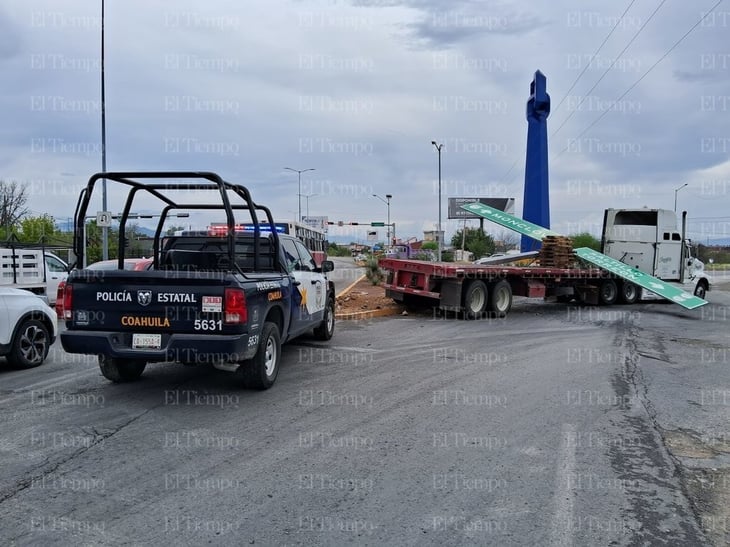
pixel 634 37
pixel 588 64
pixel 632 86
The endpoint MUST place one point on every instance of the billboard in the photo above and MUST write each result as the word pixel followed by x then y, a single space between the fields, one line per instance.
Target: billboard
pixel 320 223
pixel 455 211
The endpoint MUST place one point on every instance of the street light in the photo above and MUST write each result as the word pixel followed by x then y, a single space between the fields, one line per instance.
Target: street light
pixel 299 173
pixel 438 233
pixel 307 196
pixel 387 197
pixel 675 195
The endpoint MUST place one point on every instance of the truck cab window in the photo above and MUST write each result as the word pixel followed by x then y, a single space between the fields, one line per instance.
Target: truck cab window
pixel 53 265
pixel 307 262
pixel 291 255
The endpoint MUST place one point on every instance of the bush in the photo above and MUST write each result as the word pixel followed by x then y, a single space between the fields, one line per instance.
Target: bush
pixel 373 272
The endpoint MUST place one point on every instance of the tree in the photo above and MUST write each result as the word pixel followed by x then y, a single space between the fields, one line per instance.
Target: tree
pixel 475 241
pixel 585 239
pixel 37 229
pixel 506 240
pixel 337 250
pixel 430 246
pixel 12 206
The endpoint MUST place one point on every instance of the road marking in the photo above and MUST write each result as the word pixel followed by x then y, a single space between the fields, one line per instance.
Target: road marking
pixel 564 497
pixel 17 394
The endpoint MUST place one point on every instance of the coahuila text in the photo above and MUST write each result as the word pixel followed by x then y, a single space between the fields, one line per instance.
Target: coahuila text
pixel 132 321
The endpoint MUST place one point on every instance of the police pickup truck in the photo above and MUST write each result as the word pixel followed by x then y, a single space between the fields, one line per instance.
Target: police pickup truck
pixel 228 300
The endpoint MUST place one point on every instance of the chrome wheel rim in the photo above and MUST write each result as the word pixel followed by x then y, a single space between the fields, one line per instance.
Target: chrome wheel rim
pixel 33 343
pixel 270 357
pixel 477 300
pixel 330 317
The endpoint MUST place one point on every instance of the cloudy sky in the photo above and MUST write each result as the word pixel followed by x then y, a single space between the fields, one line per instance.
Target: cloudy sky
pixel 358 89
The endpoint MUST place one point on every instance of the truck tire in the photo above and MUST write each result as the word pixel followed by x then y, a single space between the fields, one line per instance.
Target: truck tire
pixel 30 345
pixel 327 328
pixel 121 370
pixel 261 371
pixel 475 299
pixel 628 293
pixel 701 289
pixel 608 292
pixel 500 298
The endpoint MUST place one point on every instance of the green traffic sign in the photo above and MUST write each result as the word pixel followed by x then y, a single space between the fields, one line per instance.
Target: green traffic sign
pixel 508 221
pixel 640 278
pixel 663 289
pixel 377 224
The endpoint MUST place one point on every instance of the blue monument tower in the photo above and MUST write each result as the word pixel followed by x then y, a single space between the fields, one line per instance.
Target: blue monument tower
pixel 536 201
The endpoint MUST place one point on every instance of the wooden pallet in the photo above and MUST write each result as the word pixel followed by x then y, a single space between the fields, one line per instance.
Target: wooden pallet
pixel 556 252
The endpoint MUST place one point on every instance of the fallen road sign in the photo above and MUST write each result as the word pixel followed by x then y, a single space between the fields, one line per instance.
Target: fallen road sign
pixel 508 221
pixel 648 282
pixel 670 292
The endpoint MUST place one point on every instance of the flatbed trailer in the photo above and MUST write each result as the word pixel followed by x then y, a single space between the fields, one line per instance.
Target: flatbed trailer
pixel 478 289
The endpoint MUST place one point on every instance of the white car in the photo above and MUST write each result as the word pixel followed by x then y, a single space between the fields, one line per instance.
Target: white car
pixel 27 328
pixel 56 272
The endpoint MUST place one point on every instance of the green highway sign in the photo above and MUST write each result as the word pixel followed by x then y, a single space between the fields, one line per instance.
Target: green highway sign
pixel 508 221
pixel 650 283
pixel 377 224
pixel 640 278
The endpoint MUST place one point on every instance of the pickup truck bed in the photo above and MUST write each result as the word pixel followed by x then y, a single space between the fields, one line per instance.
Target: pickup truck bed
pixel 228 300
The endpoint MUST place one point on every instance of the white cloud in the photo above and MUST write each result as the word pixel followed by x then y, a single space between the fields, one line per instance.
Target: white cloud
pixel 358 90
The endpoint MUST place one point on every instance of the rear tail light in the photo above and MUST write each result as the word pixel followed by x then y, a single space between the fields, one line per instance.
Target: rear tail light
pixel 59 299
pixel 234 307
pixel 68 302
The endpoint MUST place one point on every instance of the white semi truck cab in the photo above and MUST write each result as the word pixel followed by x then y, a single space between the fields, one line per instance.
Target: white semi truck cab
pixel 649 240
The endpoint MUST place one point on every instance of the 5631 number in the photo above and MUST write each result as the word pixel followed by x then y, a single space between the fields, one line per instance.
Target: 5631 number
pixel 208 324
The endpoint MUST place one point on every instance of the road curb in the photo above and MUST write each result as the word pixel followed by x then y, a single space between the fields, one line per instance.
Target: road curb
pixel 368 314
pixel 350 286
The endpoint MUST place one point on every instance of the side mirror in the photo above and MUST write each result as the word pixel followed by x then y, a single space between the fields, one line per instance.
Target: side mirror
pixel 327 266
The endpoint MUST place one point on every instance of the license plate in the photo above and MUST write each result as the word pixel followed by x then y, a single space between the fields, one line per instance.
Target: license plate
pixel 146 341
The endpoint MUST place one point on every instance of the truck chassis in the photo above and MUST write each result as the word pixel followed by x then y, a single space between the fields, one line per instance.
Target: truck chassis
pixel 476 290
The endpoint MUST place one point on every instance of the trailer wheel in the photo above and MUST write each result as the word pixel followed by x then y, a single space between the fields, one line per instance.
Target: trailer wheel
pixel 500 298
pixel 121 370
pixel 475 299
pixel 261 371
pixel 701 289
pixel 608 292
pixel 628 293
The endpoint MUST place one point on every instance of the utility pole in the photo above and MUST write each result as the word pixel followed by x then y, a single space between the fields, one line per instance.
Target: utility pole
pixel 387 230
pixel 438 233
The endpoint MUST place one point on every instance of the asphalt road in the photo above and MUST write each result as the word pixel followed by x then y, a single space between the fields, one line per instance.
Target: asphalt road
pixel 345 272
pixel 549 427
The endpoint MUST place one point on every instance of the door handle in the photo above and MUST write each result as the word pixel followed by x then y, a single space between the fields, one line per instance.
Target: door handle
pixel 314 281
